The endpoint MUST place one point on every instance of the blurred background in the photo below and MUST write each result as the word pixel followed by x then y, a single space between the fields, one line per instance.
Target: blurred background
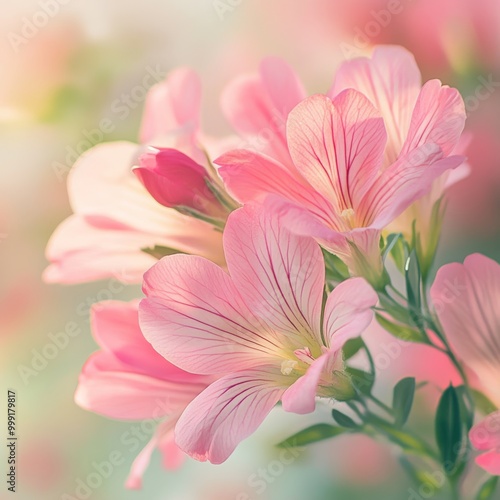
pixel 65 66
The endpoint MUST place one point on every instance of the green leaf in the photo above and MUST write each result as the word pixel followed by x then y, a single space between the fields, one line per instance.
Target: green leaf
pixel 343 420
pixel 466 412
pixel 483 404
pixel 361 380
pixel 312 434
pixel 487 489
pixel 398 254
pixel 352 347
pixel 391 242
pixel 402 400
pixel 402 332
pixel 413 284
pixel 159 251
pixel 448 428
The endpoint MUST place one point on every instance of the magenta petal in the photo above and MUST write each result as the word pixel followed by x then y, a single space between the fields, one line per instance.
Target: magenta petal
pixel 227 412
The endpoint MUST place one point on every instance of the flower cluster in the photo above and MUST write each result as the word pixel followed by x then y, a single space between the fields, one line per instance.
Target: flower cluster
pixel 265 257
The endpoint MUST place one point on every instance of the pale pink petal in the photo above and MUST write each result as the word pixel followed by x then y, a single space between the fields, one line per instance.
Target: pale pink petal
pixel 102 183
pixel 486 434
pixel 301 396
pixel 163 440
pixel 337 146
pixel 140 464
pixel 250 176
pixel 172 106
pixel 348 311
pixel 466 298
pixel 402 183
pixel 280 275
pixel 391 80
pixel 89 248
pixel 196 318
pixel 258 106
pixel 490 462
pixel 439 118
pixel 227 412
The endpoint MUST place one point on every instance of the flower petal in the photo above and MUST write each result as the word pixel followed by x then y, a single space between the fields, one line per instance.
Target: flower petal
pixel 490 462
pixel 301 396
pixel 172 106
pixel 348 311
pixel 281 275
pixel 250 176
pixel 486 434
pixel 227 412
pixel 257 107
pixel 402 183
pixel 465 298
pixel 196 318
pixel 438 117
pixel 115 326
pixel 391 80
pixel 337 146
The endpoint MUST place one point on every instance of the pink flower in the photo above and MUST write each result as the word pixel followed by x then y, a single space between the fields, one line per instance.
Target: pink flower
pixel 413 115
pixel 351 178
pixel 465 298
pixel 259 327
pixel 485 436
pixel 175 180
pixel 128 380
pixel 115 218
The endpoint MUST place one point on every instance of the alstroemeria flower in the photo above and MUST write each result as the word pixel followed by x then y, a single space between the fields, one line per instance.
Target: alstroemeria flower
pixel 466 298
pixel 259 327
pixel 128 380
pixel 413 114
pixel 115 218
pixel 339 192
pixel 485 436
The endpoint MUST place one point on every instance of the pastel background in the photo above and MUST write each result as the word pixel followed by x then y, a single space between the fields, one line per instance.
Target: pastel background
pixel 66 67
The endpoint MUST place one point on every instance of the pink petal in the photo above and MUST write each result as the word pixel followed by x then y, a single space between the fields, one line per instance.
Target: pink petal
pixel 337 146
pixel 115 326
pixel 439 118
pixel 403 183
pixel 195 317
pixel 486 434
pixel 227 412
pixel 490 462
pixel 85 248
pixel 465 298
pixel 258 106
pixel 249 176
pixel 280 275
pixel 348 311
pixel 163 439
pixel 301 396
pixel 391 80
pixel 172 106
pixel 129 396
